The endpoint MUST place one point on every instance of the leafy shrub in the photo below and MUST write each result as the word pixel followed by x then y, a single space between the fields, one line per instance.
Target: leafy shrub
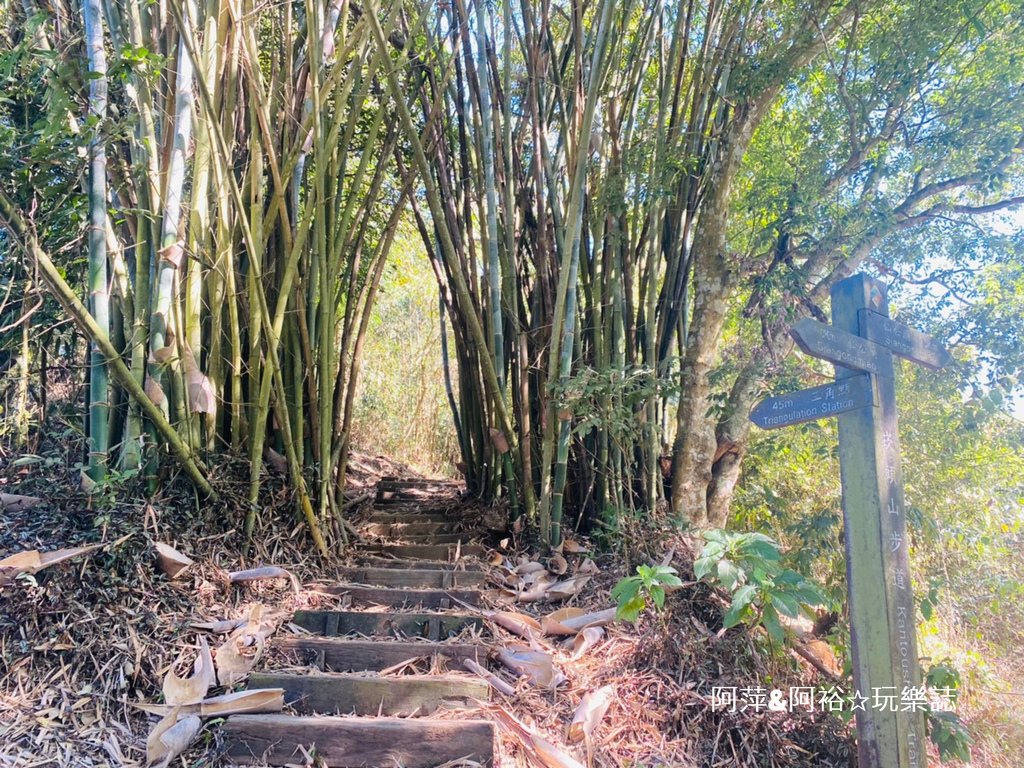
pixel 634 592
pixel 748 566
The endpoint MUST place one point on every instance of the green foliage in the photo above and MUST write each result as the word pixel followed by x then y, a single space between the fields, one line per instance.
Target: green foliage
pixel 748 565
pixel 635 593
pixel 947 731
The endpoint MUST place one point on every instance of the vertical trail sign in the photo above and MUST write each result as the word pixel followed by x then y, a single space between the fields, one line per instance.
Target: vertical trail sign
pixel 889 702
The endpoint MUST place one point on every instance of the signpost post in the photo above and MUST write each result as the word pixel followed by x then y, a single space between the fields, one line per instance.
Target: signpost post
pixel 889 701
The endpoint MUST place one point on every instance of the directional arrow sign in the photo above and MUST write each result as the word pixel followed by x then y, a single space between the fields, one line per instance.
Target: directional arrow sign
pixel 903 340
pixel 841 348
pixel 815 403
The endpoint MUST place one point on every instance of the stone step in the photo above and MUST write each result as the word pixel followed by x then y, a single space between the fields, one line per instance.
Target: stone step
pixel 351 742
pixel 338 655
pixel 432 626
pixel 335 693
pixel 358 596
pixel 426 577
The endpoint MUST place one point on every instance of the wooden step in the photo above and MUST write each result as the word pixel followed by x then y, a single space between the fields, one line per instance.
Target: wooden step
pixel 343 742
pixel 417 482
pixel 431 538
pixel 337 655
pixel 407 529
pixel 411 517
pixel 429 578
pixel 403 598
pixel 379 561
pixel 432 626
pixel 336 693
pixel 441 552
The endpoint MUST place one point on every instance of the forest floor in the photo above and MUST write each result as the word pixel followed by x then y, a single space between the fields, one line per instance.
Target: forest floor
pixel 84 642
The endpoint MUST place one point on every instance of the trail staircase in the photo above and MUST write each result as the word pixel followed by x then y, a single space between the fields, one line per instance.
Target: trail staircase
pixel 396 608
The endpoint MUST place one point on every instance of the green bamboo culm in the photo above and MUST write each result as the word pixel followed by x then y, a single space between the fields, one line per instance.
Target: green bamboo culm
pixel 566 301
pixel 99 295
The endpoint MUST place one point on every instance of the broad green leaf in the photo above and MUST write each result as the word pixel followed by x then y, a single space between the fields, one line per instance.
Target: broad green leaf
pixel 657 593
pixel 728 574
pixel 771 622
pixel 785 604
pixel 630 609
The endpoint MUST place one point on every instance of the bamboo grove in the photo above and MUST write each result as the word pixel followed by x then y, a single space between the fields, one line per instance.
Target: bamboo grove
pixel 625 204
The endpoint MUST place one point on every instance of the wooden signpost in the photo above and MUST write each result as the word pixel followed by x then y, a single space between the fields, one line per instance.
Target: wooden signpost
pixel 861 343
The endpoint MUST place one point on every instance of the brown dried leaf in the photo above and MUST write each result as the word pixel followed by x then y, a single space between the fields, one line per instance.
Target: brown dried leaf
pixel 239 703
pixel 236 658
pixel 499 440
pixel 552 623
pixel 567 588
pixel 573 547
pixel 588 566
pixel 170 560
pixel 155 392
pixel 529 567
pixel 34 561
pixel 193 689
pixel 537 666
pixel 275 461
pixel 220 627
pixel 200 393
pixel 172 253
pixel 539 749
pixel 558 565
pixel 170 737
pixel 589 714
pixel 586 640
pixel 268 572
pixel 518 623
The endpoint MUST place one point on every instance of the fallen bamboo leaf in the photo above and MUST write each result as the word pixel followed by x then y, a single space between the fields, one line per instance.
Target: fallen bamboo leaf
pixel 236 658
pixel 34 561
pixel 586 640
pixel 170 560
pixel 240 703
pixel 558 565
pixel 518 623
pixel 243 648
pixel 595 619
pixel 588 566
pixel 538 667
pixel 190 690
pixel 589 714
pixel 535 593
pixel 493 680
pixel 565 589
pixel 541 751
pixel 219 627
pixel 170 737
pixel 552 623
pixel 269 572
pixel 12 502
pixel 528 567
pixel 573 547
